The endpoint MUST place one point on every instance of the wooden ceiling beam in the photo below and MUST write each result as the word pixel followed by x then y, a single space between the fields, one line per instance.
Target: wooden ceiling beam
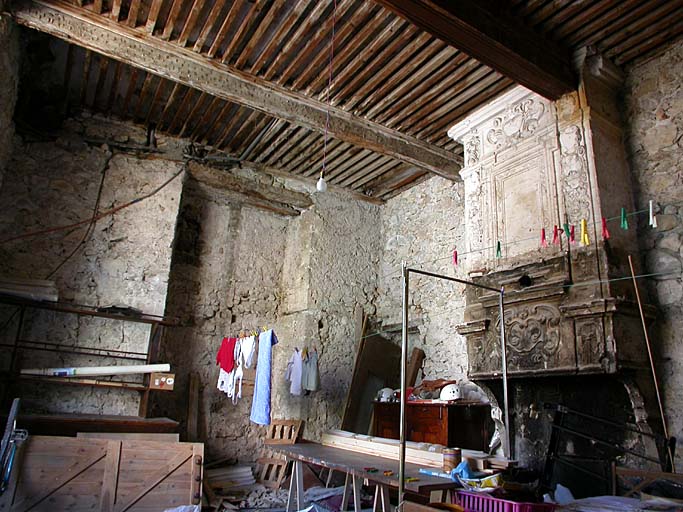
pixel 499 42
pixel 182 65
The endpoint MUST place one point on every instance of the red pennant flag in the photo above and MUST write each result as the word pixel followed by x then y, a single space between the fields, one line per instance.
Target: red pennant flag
pixel 455 256
pixel 544 242
pixel 556 235
pixel 605 232
pixel 572 239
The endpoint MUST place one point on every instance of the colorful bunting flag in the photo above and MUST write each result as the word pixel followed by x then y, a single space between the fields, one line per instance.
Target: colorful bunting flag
pixel 455 256
pixel 544 242
pixel 584 233
pixel 605 232
pixel 624 219
pixel 499 251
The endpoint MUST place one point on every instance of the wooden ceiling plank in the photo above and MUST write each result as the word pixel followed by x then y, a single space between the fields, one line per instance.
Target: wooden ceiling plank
pixel 295 149
pixel 310 54
pixel 347 37
pixel 284 144
pixel 212 129
pixel 302 29
pixel 528 8
pixel 269 140
pixel 86 75
pixel 68 66
pixel 585 22
pixel 332 172
pixel 196 9
pixel 216 9
pixel 477 98
pixel 171 61
pixel 314 160
pixel 199 129
pixel 259 132
pixel 274 125
pixel 356 63
pixel 285 26
pixel 355 48
pixel 647 40
pixel 116 81
pixel 443 89
pixel 101 77
pixel 178 116
pixel 371 162
pixel 263 26
pixel 356 182
pixel 225 27
pixel 132 84
pixel 396 188
pixel 153 15
pixel 503 44
pixel 177 89
pixel 557 13
pixel 146 84
pixel 377 76
pixel 415 79
pixel 97 6
pixel 133 11
pixel 238 120
pixel 330 161
pixel 369 70
pixel 638 23
pixel 196 108
pixel 404 71
pixel 242 29
pixel 228 117
pixel 156 100
pixel 172 18
pixel 115 10
pixel 244 130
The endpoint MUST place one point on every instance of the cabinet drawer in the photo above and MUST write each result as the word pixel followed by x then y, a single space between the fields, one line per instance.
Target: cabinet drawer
pixel 424 413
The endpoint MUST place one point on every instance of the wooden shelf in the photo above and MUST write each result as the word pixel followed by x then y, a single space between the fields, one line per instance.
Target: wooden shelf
pixel 80 309
pixel 74 381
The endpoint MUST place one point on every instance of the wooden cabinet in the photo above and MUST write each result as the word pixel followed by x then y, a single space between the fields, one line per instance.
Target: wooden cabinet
pixel 461 425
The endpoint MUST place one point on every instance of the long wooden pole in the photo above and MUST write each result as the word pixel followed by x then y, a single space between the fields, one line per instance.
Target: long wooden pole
pixel 652 363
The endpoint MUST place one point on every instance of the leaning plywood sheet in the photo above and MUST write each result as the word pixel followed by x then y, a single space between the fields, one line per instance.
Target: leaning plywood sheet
pixel 61 473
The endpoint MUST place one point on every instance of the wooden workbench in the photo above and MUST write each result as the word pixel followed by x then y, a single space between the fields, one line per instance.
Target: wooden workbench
pixel 354 465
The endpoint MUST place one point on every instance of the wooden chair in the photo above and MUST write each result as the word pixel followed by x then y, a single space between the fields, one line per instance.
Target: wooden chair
pixel 271 468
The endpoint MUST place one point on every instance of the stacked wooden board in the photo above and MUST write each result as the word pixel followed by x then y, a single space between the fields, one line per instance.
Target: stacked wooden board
pixel 429 455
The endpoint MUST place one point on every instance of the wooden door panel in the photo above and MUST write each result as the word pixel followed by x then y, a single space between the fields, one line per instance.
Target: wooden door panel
pixel 74 474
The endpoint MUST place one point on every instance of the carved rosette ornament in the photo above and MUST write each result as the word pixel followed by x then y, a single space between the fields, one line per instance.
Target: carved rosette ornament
pixel 516 123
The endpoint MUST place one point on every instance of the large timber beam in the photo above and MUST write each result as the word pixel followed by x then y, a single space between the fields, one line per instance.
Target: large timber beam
pixel 139 49
pixel 498 41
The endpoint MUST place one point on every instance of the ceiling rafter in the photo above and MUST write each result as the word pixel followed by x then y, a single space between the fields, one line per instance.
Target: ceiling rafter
pixel 499 42
pixel 137 48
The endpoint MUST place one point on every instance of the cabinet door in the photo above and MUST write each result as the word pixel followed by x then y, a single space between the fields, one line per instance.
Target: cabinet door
pixel 427 424
pixel 386 420
pixel 470 426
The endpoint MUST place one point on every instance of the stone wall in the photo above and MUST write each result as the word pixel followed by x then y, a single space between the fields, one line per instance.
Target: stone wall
pixel 234 268
pixel 422 227
pixel 9 71
pixel 124 261
pixel 654 107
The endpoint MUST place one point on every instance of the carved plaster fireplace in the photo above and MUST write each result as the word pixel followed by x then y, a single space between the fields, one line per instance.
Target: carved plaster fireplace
pixel 572 336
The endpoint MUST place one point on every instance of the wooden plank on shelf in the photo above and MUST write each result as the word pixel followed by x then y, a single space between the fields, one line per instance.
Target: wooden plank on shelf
pixel 71 424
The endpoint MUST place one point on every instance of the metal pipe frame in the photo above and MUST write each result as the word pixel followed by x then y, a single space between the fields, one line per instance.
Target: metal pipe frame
pixel 405 282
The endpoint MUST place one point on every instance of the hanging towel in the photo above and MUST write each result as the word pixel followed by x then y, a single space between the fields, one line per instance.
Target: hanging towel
pixel 293 373
pixel 226 354
pixel 310 377
pixel 260 405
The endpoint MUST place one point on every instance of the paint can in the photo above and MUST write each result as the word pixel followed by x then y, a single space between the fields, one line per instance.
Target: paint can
pixel 451 458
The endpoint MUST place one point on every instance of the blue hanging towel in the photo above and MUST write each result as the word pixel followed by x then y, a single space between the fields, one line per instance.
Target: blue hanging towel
pixel 260 405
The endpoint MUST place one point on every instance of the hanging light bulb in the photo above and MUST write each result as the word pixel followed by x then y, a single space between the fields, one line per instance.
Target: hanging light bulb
pixel 321 186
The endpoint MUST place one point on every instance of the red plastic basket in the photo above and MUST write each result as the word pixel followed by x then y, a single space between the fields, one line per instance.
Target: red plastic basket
pixel 482 502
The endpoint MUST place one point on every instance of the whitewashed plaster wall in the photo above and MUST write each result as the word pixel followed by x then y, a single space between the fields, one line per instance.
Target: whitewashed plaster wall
pixel 654 107
pixel 9 71
pixel 422 227
pixel 124 262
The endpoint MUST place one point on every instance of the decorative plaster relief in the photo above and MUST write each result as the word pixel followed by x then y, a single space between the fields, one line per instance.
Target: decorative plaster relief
pixel 574 163
pixel 519 121
pixel 472 150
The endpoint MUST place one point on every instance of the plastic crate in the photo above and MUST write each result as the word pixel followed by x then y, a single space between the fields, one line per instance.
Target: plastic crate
pixel 482 502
